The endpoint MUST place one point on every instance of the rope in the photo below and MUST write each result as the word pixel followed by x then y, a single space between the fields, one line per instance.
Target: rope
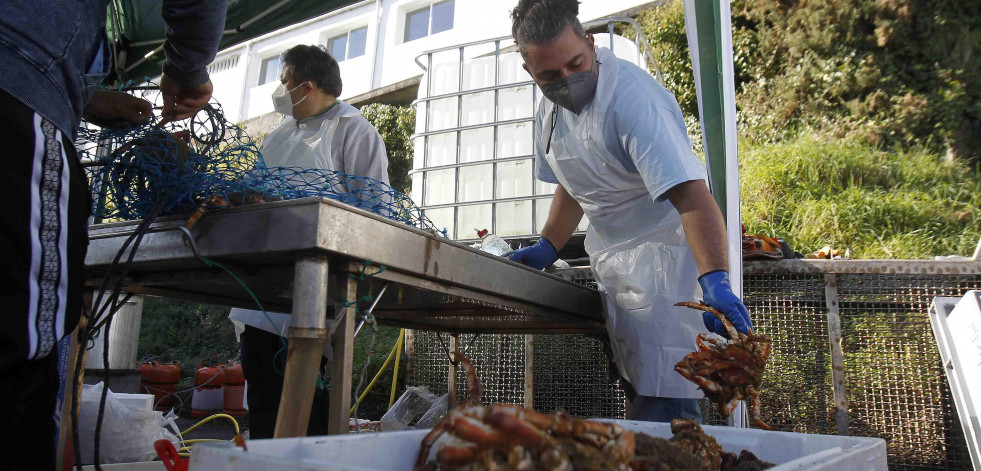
pixel 207 162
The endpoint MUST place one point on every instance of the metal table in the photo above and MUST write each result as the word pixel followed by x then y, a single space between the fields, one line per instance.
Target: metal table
pixel 284 252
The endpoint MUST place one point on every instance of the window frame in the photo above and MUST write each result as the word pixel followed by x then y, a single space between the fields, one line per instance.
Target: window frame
pixel 347 45
pixel 262 68
pixel 428 6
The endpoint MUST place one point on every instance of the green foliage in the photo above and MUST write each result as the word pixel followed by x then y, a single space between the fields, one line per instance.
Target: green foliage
pixel 186 332
pixel 664 28
pixel 395 124
pixel 890 72
pixel 903 204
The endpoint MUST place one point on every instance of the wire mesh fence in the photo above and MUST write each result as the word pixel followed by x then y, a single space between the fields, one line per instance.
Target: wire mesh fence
pixel 894 383
pixel 894 378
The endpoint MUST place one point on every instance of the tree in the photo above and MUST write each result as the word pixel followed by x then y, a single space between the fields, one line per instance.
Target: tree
pixel 891 72
pixel 395 124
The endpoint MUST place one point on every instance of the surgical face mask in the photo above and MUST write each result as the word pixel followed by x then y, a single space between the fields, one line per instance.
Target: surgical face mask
pixel 573 92
pixel 283 102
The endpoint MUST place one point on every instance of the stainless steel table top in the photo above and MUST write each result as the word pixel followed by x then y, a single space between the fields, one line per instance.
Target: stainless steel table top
pixel 438 284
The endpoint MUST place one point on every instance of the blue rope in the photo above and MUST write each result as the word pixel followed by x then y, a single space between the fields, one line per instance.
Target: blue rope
pixel 208 162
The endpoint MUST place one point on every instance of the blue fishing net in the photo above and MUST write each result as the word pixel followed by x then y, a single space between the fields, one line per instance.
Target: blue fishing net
pixel 209 162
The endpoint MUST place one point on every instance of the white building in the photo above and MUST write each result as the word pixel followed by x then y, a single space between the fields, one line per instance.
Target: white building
pixel 376 43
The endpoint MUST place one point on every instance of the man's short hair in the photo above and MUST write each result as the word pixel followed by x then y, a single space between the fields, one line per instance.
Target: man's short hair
pixel 314 64
pixel 541 21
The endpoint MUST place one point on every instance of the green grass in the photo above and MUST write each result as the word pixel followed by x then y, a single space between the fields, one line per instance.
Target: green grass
pixel 904 204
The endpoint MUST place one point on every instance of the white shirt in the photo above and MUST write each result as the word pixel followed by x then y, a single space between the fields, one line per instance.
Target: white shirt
pixel 339 139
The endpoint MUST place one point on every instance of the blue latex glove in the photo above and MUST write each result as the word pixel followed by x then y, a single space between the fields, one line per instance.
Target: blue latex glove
pixel 717 292
pixel 538 256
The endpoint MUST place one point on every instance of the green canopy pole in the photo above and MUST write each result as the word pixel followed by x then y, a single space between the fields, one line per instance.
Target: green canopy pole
pixel 709 47
pixel 709 30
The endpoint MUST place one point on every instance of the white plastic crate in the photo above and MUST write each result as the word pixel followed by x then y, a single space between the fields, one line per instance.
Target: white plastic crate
pixel 956 325
pixel 396 451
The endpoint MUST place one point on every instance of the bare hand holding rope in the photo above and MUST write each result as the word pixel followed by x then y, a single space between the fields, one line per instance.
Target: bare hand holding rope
pixel 181 102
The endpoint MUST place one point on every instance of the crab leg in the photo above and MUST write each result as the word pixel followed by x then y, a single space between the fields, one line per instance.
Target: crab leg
pixel 512 422
pixel 733 333
pixel 755 414
pixel 474 390
pixel 457 455
pixel 427 443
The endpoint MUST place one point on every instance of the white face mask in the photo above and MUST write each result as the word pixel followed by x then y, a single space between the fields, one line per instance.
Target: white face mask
pixel 283 102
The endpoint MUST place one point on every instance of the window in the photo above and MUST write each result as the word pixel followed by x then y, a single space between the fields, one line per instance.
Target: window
pixel 348 45
pixel 270 70
pixel 431 19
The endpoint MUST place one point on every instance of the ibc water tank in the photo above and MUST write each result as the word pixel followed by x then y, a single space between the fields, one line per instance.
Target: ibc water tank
pixel 474 162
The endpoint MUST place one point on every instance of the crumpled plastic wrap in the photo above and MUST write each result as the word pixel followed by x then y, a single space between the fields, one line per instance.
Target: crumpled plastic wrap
pixel 417 408
pixel 128 434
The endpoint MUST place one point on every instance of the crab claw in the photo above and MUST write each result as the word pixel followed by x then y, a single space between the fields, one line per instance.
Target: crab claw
pixel 733 333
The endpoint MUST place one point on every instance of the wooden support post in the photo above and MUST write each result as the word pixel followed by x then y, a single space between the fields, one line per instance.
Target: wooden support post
pixel 65 454
pixel 837 355
pixel 410 355
pixel 340 367
pixel 529 371
pixel 451 377
pixel 307 337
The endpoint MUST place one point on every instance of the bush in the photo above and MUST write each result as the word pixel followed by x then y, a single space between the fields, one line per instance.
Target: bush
pixel 816 191
pixel 395 124
pixel 889 72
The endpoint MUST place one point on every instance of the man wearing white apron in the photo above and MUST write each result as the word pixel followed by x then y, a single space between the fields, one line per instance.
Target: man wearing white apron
pixel 319 132
pixel 614 141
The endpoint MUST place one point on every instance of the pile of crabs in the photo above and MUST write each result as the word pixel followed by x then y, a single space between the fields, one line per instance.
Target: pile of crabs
pixel 475 437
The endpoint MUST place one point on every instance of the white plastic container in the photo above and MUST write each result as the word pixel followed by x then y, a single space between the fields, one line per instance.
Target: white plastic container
pixel 957 327
pixel 473 161
pixel 396 451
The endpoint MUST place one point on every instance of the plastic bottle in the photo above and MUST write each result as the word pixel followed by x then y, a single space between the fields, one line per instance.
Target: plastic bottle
pixel 493 244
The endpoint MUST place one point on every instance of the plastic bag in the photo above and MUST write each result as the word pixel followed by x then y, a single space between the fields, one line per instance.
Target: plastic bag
pixel 128 433
pixel 435 413
pixel 416 408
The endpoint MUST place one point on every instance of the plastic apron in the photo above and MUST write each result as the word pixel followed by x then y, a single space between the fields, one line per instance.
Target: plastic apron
pixel 307 144
pixel 637 248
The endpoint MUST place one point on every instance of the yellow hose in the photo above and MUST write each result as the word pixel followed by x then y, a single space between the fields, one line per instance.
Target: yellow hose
pixel 185 449
pixel 378 375
pixel 395 374
pixel 212 417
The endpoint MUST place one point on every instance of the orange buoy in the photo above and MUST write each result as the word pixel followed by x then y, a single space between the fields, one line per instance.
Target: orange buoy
pixel 162 382
pixel 207 395
pixel 234 394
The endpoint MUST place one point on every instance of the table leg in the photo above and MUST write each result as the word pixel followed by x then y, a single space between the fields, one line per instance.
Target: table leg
pixel 307 337
pixel 340 367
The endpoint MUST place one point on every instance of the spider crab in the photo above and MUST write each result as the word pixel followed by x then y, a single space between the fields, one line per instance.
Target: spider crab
pixel 507 436
pixel 728 371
